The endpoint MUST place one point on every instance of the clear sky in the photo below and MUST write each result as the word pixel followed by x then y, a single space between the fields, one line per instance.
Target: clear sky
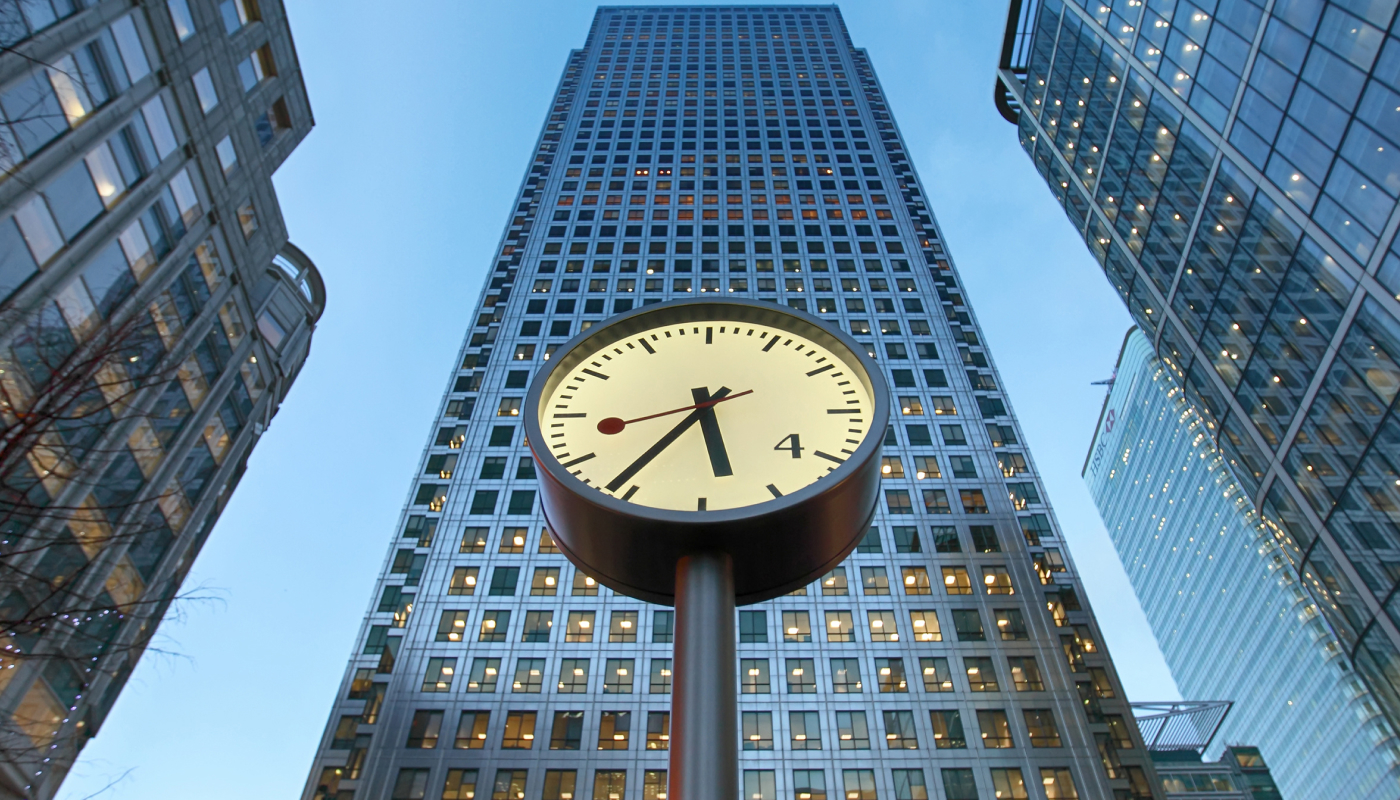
pixel 425 119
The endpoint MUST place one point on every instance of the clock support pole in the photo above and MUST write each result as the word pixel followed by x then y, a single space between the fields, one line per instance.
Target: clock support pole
pixel 704 700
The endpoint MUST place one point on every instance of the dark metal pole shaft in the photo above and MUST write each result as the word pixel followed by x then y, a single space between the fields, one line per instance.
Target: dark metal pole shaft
pixel 704 703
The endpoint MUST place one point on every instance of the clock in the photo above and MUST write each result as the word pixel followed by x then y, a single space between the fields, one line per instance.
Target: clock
pixel 708 426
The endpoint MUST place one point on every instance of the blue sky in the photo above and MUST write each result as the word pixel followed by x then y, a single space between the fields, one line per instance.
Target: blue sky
pixel 425 119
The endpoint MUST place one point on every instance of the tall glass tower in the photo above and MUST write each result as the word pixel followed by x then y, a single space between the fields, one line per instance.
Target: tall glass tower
pixel 153 316
pixel 1234 171
pixel 1216 588
pixel 745 152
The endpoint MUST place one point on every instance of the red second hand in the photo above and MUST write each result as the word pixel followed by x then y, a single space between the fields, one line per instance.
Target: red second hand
pixel 613 425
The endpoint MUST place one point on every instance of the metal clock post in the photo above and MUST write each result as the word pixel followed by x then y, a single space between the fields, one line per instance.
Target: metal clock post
pixel 708 560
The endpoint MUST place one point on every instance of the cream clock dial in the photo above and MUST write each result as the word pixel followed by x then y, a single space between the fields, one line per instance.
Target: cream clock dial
pixel 706 416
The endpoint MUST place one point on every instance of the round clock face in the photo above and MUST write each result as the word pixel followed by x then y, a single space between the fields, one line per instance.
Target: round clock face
pixel 704 416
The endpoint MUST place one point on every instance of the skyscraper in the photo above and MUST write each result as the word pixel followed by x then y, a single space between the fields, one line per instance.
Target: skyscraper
pixel 152 318
pixel 1233 171
pixel 731 151
pixel 1224 603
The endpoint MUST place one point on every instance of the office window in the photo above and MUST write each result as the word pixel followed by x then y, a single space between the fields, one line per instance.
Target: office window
pixel 1025 674
pixel 424 729
pixel 473 540
pixel 796 627
pixel 874 580
pixel 545 583
pixel 412 784
pixel 1011 624
pixel 909 784
pixel 503 580
pixel 493 626
pixel 899 731
pixel 997 580
pixel 614 730
pixel 882 626
pixel 984 539
pixel 547 545
pixel 660 676
pixel 1040 725
pixel 654 784
pixel 617 677
pixel 623 627
pixel 981 675
pixel 471 730
pixel 513 539
pixel 801 676
pixel 529 675
pixel 834 583
pixel 906 539
pixel 204 90
pixel 658 730
pixel 925 625
pixel 851 730
pixel 663 626
pixel 483 675
pixel 537 626
pixel 958 784
pixel 463 581
pixel 956 581
pixel 519 733
pixel 916 580
pixel 1008 784
pixel 560 784
pixel 996 730
pixel 757 730
pixel 753 676
pixel 936 501
pixel 937 677
pixel 438 677
pixel 567 731
pixel 870 543
pixel 753 626
pixel 806 730
pixel 579 627
pixel 845 675
pixel 840 627
pixel 573 676
pixel 760 784
pixel 809 784
pixel 452 626
pixel 584 586
pixel 945 539
pixel 890 675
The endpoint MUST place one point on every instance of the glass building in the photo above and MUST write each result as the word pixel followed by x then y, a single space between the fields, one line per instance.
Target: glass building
pixel 745 152
pixel 1234 173
pixel 152 318
pixel 1178 734
pixel 1218 590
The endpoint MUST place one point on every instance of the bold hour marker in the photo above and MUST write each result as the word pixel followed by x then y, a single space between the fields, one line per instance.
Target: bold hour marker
pixel 820 370
pixel 709 336
pixel 578 460
pixel 774 490
pixel 828 457
pixel 648 347
pixel 843 411
pixel 631 492
pixel 770 344
pixel 588 371
pixel 569 416
pixel 700 504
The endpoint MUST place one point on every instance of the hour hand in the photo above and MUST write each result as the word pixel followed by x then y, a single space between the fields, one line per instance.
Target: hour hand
pixel 709 426
pixel 655 450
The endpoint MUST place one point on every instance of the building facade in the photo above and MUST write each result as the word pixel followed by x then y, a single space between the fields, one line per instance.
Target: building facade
pixel 1232 169
pixel 152 317
pixel 745 152
pixel 1178 734
pixel 1217 589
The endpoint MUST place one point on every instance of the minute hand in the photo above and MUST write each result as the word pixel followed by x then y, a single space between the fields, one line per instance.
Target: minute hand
pixel 665 441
